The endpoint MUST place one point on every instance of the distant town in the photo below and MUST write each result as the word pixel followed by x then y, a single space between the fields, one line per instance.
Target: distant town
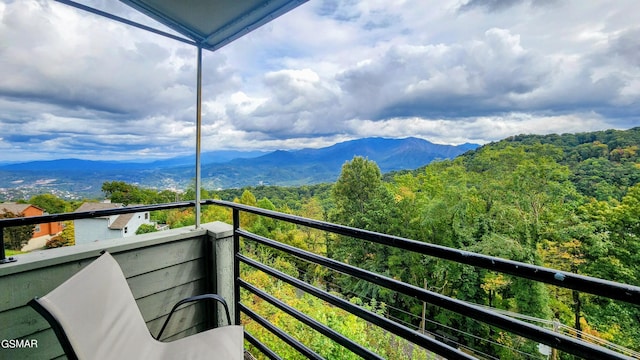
pixel 74 179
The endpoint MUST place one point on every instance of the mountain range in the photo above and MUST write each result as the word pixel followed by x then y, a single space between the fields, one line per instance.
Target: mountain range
pixel 225 169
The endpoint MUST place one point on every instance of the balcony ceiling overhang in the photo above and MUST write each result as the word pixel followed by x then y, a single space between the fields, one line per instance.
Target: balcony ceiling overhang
pixel 212 24
pixel 207 24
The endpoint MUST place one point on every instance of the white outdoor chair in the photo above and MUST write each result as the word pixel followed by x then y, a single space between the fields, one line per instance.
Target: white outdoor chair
pixel 95 316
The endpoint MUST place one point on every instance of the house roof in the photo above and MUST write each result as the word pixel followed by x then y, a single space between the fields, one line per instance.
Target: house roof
pixel 214 23
pixel 89 206
pixel 15 208
pixel 121 221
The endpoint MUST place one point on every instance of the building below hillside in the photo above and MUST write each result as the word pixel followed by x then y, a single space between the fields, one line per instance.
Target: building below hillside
pixel 107 227
pixel 28 210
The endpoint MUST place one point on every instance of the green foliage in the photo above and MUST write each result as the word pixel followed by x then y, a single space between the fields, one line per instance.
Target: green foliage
pixel 190 194
pixel 121 192
pixel 281 196
pixel 180 218
pixel 604 164
pixel 569 202
pixel 146 228
pixel 351 326
pixel 128 194
pixel 16 237
pixel 50 203
pixel 216 213
pixel 357 187
pixel 361 201
pixel 65 238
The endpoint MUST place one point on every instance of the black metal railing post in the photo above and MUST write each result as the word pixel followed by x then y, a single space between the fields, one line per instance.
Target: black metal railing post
pixel 3 256
pixel 236 265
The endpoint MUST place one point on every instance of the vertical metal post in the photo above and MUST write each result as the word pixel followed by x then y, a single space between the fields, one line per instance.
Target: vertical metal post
pixel 236 265
pixel 198 135
pixel 210 276
pixel 2 253
pixel 3 257
pixel 423 323
pixel 556 328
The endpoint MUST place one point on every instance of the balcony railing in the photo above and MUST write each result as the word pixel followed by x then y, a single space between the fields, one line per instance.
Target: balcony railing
pixel 161 266
pixel 36 220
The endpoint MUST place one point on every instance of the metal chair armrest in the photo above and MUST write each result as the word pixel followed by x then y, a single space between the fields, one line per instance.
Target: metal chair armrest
pixel 196 298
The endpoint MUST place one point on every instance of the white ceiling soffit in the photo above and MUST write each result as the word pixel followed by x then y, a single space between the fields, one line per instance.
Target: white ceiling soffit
pixel 213 24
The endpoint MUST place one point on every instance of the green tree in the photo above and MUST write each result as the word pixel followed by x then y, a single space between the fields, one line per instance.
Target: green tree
pixel 65 238
pixel 626 230
pixel 361 201
pixel 15 237
pixel 371 337
pixel 121 192
pixel 50 203
pixel 180 218
pixel 246 219
pixel 146 228
pixel 190 193
pixel 216 213
pixel 617 257
pixel 314 240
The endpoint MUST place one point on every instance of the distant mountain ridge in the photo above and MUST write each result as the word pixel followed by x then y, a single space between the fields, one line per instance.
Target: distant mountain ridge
pixel 98 165
pixel 389 154
pixel 224 169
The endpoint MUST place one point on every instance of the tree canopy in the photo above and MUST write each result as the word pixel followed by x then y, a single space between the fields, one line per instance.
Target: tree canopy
pixel 569 202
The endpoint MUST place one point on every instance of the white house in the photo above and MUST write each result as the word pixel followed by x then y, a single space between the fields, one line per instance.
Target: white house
pixel 107 227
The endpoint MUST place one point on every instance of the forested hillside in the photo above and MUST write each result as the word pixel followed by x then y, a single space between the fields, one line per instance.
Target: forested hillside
pixel 603 164
pixel 570 202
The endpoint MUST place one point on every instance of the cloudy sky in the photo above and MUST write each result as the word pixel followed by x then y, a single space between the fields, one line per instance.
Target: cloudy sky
pixel 76 85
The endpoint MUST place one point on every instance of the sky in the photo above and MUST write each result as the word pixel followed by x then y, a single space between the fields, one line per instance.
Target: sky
pixel 75 85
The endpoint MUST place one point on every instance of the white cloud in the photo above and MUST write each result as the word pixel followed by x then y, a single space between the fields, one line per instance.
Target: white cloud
pixel 299 103
pixel 450 71
pixel 476 129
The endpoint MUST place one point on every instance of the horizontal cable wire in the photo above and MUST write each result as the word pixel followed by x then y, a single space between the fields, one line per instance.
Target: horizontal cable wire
pixel 418 317
pixel 376 319
pixel 591 285
pixel 316 325
pixel 261 347
pixel 293 342
pixel 532 332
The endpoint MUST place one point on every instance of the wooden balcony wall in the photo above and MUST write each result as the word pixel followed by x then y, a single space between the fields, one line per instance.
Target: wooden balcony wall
pixel 161 268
